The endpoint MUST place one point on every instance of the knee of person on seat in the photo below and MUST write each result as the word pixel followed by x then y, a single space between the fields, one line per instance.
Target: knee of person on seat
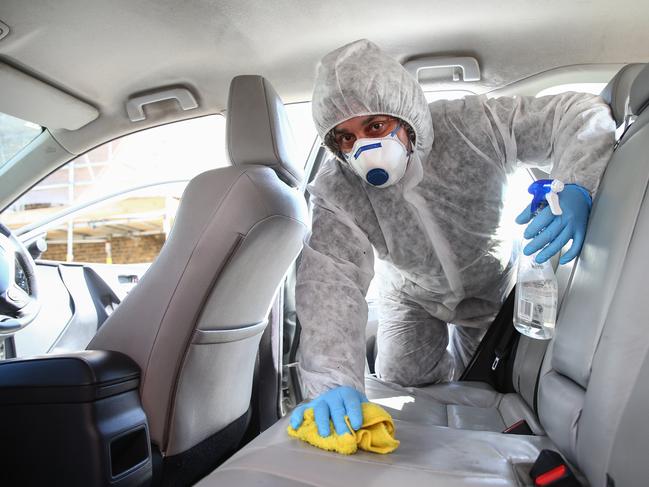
pixel 399 375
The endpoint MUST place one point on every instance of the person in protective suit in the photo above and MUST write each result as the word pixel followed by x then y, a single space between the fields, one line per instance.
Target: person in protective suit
pixel 421 185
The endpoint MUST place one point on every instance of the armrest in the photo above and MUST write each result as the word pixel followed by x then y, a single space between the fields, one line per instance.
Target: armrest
pixel 72 377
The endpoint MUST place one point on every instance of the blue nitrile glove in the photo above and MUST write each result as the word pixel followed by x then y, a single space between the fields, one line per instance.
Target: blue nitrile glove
pixel 553 232
pixel 335 405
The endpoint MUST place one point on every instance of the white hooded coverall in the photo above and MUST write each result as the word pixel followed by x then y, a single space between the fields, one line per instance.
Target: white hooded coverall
pixel 436 231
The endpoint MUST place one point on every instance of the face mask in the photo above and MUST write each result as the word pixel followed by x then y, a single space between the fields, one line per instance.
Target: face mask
pixel 381 162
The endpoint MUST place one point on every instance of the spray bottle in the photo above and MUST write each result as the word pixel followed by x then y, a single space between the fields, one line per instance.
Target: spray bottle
pixel 537 296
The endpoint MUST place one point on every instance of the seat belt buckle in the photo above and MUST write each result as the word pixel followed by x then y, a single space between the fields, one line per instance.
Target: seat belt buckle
pixel 519 428
pixel 495 363
pixel 550 470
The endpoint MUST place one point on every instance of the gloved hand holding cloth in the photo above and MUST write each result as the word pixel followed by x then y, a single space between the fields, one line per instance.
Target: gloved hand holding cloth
pixel 356 422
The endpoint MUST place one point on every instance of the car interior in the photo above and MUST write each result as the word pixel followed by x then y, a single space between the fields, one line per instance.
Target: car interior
pixel 169 357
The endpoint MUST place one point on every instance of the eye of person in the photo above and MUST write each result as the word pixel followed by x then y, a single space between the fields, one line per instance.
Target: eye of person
pixel 345 141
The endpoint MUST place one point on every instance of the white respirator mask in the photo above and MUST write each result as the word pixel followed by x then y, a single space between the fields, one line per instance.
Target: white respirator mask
pixel 382 161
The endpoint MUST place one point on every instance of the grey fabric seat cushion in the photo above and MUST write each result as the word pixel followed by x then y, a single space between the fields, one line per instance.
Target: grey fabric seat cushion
pixel 437 445
pixel 460 405
pixel 428 455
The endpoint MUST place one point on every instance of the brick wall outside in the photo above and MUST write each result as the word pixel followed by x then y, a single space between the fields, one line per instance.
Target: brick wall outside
pixel 125 250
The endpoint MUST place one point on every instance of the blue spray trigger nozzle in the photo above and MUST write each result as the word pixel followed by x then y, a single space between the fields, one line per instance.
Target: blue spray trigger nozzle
pixel 538 189
pixel 545 191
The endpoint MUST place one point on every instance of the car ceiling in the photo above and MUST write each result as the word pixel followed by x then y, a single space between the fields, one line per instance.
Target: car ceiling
pixel 102 52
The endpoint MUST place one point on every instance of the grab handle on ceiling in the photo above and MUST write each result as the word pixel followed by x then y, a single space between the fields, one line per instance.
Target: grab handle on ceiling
pixel 135 105
pixel 468 66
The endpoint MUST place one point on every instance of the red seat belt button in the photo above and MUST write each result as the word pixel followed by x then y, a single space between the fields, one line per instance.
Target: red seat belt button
pixel 551 476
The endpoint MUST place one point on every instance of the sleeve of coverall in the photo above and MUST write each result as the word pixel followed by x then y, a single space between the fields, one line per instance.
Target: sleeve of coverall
pixel 335 271
pixel 571 134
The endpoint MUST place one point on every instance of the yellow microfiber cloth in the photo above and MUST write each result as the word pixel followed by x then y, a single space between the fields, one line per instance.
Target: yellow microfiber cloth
pixel 376 435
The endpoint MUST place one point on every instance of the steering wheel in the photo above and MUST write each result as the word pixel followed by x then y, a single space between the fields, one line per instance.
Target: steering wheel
pixel 18 308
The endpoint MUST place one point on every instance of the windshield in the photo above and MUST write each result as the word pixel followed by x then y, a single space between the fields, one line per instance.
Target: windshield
pixel 15 134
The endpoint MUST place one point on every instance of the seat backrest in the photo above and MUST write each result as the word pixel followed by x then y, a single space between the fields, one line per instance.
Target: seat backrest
pixel 530 352
pixel 194 321
pixel 594 363
pixel 617 91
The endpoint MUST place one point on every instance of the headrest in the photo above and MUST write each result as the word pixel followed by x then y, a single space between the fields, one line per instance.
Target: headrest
pixel 616 93
pixel 258 131
pixel 639 98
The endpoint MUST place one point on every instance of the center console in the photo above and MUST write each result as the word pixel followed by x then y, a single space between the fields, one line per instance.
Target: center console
pixel 74 420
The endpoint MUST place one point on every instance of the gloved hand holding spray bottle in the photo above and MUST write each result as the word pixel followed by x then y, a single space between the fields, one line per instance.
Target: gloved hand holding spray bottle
pixel 550 229
pixel 535 310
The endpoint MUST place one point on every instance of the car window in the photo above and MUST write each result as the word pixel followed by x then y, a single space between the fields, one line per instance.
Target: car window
pixel 135 181
pixel 594 88
pixel 304 132
pixel 15 134
pixel 127 228
pixel 432 96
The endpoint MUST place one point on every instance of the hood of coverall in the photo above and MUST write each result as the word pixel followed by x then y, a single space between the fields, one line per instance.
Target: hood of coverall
pixel 360 79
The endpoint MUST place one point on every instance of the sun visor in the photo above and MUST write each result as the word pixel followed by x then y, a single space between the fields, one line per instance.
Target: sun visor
pixel 30 99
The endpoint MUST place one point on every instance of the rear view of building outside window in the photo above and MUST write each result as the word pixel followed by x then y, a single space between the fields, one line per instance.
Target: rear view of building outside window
pixel 125 193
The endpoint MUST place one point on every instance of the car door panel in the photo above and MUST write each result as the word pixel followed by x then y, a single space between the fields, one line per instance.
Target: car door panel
pixel 76 299
pixel 38 337
pixel 86 315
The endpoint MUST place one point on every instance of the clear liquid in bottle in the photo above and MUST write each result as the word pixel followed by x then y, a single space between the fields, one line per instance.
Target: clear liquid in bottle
pixel 535 309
